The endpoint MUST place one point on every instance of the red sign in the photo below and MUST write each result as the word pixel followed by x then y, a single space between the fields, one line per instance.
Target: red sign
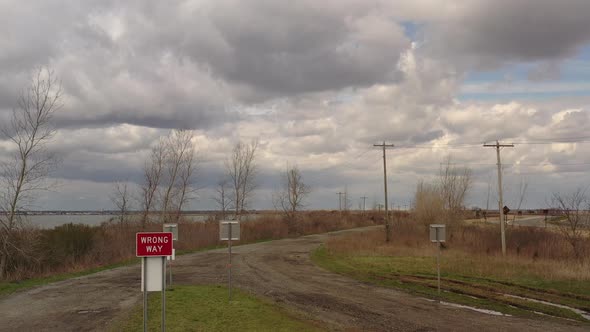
pixel 153 244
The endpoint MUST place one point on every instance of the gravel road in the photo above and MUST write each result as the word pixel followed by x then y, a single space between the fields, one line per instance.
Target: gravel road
pixel 279 270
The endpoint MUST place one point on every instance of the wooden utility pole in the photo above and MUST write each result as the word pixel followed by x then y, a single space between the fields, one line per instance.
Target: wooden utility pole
pixel 387 226
pixel 364 198
pixel 500 202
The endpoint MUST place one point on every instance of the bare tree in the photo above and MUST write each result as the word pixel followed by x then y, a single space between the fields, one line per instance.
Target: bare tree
pixel 485 212
pixel 29 131
pixel 241 171
pixel 221 198
pixel 152 177
pixel 186 189
pixel 121 198
pixel 179 166
pixel 576 219
pixel 346 202
pixel 291 196
pixel 454 183
pixel 168 176
pixel 428 203
pixel 522 189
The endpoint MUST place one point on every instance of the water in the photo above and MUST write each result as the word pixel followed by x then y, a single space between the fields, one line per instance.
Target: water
pixel 456 305
pixel 52 220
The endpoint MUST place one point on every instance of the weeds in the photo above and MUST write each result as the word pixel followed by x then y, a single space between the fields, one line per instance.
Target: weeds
pixel 75 247
pixel 539 265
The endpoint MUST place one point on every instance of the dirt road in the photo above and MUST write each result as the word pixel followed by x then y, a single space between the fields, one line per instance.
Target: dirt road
pixel 279 270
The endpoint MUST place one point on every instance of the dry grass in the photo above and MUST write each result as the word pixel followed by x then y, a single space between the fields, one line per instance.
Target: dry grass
pixel 61 250
pixel 540 264
pixel 475 250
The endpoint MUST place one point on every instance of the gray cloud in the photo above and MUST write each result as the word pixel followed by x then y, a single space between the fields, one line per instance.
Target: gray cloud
pixel 485 33
pixel 547 71
pixel 277 49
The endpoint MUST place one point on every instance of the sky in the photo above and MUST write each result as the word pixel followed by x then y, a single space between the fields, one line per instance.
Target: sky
pixel 317 83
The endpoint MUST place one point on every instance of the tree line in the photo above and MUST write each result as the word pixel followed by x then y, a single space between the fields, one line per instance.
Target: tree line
pixel 168 175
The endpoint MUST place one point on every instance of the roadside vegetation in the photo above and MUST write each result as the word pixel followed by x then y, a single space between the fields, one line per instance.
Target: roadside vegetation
pixel 206 308
pixel 540 265
pixel 71 249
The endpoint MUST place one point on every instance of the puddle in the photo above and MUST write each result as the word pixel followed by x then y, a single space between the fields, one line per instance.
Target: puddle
pixel 582 313
pixel 89 311
pixel 484 311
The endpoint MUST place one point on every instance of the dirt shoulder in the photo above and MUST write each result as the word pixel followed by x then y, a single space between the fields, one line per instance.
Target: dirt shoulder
pixel 279 270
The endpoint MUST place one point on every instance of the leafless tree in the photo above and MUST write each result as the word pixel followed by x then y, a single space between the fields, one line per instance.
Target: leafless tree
pixel 186 190
pixel 428 203
pixel 291 196
pixel 241 171
pixel 168 176
pixel 522 190
pixel 346 202
pixel 25 173
pixel 576 219
pixel 179 163
pixel 121 199
pixel 454 183
pixel 221 198
pixel 152 177
pixel 485 212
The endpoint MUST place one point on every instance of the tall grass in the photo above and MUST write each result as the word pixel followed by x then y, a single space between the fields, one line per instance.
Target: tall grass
pixel 76 247
pixel 476 249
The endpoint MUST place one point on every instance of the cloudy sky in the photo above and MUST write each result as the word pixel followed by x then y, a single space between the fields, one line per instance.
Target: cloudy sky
pixel 317 83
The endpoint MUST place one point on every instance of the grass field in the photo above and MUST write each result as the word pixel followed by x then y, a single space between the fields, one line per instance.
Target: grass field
pixel 206 308
pixel 509 285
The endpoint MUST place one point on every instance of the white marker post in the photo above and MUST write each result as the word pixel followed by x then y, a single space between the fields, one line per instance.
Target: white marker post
pixel 437 234
pixel 228 231
pixel 153 248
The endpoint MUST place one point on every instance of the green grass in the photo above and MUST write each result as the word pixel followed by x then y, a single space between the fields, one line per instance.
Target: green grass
pixel 206 308
pixel 417 275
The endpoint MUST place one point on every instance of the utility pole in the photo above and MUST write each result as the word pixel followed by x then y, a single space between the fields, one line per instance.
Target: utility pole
pixel 500 203
pixel 387 226
pixel 364 203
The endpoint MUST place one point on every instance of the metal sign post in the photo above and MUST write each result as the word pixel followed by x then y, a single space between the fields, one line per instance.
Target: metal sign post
pixel 228 231
pixel 229 247
pixel 163 293
pixel 145 295
pixel 153 247
pixel 437 234
pixel 172 228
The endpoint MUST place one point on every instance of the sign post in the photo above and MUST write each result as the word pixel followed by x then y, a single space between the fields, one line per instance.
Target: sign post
pixel 145 293
pixel 153 247
pixel 437 234
pixel 171 228
pixel 228 231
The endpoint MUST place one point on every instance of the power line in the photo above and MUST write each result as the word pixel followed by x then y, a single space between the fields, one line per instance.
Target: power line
pixel 364 198
pixel 459 145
